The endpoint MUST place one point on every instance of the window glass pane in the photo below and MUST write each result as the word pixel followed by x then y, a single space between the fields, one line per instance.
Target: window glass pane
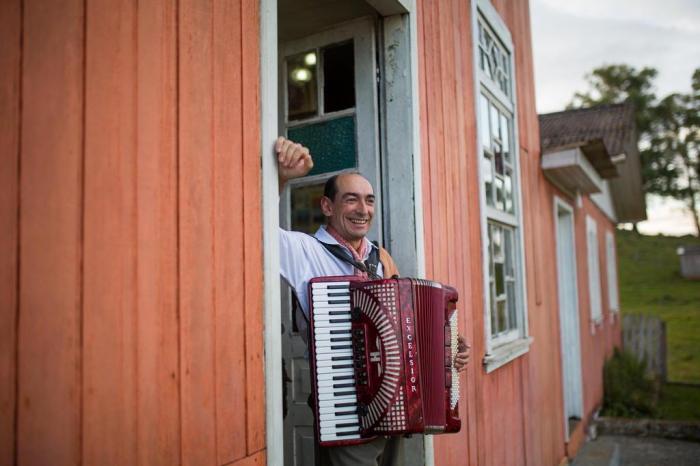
pixel 500 279
pixel 505 138
pixel 338 77
pixel 512 318
pixel 508 191
pixel 494 315
pixel 498 158
pixel 301 86
pixel 490 250
pixel 508 246
pixel 306 215
pixel 499 193
pixel 484 121
pixel 488 179
pixel 501 310
pixel 494 122
pixel 497 243
pixel 332 143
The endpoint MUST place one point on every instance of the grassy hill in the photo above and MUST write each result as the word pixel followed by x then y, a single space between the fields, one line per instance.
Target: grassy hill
pixel 650 283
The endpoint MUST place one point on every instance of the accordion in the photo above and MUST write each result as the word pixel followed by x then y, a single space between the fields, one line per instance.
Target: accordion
pixel 381 356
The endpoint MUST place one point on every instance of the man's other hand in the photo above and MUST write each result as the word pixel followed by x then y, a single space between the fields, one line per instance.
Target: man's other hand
pixel 293 160
pixel 462 356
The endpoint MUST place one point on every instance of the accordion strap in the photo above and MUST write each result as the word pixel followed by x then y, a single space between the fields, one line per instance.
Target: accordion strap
pixel 369 266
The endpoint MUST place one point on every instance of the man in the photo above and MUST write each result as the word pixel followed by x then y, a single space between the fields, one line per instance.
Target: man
pixel 348 205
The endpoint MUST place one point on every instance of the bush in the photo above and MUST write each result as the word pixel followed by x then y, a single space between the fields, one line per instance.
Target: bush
pixel 628 391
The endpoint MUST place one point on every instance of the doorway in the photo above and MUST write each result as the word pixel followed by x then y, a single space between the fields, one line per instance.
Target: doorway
pixel 568 316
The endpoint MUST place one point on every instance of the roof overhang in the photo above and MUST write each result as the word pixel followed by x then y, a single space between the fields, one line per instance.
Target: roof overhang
pixel 570 169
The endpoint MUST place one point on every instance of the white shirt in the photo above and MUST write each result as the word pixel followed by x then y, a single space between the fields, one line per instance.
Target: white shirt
pixel 302 258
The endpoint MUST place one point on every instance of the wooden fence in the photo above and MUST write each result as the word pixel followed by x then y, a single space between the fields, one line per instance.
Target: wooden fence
pixel 645 337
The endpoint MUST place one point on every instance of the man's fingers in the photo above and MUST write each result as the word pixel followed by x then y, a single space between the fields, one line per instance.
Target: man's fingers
pixel 278 144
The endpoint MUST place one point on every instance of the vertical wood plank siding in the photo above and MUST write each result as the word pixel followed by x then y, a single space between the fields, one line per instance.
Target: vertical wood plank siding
pixel 10 62
pixel 131 235
pixel 500 407
pixel 50 267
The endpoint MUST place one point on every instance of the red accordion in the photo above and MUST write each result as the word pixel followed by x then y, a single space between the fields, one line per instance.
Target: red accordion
pixel 381 357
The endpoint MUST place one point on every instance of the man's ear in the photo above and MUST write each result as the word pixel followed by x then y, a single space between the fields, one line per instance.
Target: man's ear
pixel 326 206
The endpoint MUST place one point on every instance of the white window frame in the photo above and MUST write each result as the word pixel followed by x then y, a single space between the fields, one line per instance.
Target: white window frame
pixel 611 264
pixel 594 279
pixel 506 347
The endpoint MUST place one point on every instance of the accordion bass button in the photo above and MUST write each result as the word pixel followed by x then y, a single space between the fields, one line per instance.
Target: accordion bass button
pixel 355 314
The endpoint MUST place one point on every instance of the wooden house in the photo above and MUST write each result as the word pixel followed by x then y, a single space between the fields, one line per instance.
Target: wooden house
pixel 142 320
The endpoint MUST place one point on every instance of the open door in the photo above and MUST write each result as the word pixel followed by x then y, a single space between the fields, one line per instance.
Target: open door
pixel 328 96
pixel 568 316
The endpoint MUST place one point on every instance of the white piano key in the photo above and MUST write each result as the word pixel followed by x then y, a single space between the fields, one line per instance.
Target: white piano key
pixel 326 285
pixel 332 332
pixel 328 356
pixel 337 326
pixel 333 437
pixel 331 292
pixel 337 430
pixel 328 345
pixel 342 418
pixel 330 383
pixel 335 374
pixel 338 400
pixel 334 396
pixel 333 409
pixel 324 347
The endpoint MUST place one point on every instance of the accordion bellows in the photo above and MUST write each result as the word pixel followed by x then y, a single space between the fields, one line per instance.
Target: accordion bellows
pixel 381 354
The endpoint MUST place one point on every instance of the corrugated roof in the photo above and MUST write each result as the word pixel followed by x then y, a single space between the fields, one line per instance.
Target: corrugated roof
pixel 612 123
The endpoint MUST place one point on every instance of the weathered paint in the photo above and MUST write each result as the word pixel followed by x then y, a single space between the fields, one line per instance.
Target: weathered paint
pixel 131 234
pixel 132 261
pixel 501 408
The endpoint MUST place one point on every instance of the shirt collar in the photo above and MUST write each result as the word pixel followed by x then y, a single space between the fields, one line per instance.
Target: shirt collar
pixel 325 237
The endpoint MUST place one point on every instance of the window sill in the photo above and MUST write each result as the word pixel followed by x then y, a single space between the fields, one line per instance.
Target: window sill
pixel 503 354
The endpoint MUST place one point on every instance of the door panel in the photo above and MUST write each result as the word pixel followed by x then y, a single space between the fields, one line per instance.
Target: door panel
pixel 341 133
pixel 569 317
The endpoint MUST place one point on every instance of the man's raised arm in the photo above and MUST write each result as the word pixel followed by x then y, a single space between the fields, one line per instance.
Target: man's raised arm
pixel 293 160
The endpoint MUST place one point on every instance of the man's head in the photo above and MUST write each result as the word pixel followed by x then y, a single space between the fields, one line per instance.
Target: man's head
pixel 348 205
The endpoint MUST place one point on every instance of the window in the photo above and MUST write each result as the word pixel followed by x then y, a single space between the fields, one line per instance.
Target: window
pixel 593 270
pixel 611 262
pixel 501 214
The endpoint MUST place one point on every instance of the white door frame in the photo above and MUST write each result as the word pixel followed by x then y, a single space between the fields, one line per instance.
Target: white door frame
pixel 400 41
pixel 570 373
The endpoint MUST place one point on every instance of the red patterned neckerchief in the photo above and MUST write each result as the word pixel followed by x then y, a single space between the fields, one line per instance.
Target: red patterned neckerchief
pixel 357 255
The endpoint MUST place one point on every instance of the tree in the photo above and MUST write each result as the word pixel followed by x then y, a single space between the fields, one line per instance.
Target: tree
pixel 669 129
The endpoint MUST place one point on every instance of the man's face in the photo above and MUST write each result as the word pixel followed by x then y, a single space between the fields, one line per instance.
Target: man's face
pixel 352 210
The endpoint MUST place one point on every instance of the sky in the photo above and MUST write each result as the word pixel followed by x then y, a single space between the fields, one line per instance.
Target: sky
pixel 572 37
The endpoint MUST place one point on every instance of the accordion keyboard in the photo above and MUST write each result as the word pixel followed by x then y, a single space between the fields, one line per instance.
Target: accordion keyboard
pixel 335 376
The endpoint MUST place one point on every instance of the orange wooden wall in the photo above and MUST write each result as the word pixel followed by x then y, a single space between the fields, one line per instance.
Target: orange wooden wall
pixel 130 285
pixel 514 415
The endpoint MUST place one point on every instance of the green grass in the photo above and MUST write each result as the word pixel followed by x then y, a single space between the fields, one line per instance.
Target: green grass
pixel 679 402
pixel 650 283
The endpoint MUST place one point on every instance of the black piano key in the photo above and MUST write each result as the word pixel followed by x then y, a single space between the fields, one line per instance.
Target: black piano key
pixel 338 301
pixel 341 358
pixel 337 313
pixel 344 393
pixel 340 340
pixel 345 405
pixel 345 413
pixel 340 332
pixel 341 366
pixel 339 293
pixel 338 321
pixel 340 347
pixel 347 424
pixel 345 434
pixel 343 377
pixel 343 385
pixel 336 287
